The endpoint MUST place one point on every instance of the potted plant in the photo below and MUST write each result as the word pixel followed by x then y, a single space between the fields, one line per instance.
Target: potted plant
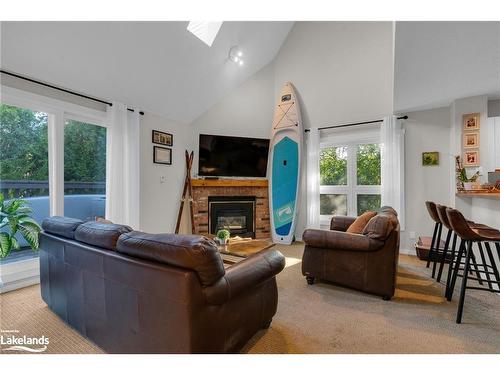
pixel 223 236
pixel 468 182
pixel 15 218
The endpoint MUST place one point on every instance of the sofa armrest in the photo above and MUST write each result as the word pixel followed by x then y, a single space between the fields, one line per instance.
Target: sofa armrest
pixel 341 223
pixel 245 275
pixel 336 240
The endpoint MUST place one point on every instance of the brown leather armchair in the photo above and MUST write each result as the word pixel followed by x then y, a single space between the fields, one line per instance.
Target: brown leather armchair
pixel 366 262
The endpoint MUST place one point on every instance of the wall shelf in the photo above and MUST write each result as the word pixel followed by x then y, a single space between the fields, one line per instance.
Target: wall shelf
pixel 479 195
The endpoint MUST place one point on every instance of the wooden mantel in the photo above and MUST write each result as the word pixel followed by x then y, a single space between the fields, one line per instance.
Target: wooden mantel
pixel 199 182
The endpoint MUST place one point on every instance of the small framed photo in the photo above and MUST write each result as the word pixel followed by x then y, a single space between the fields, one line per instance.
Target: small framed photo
pixel 162 155
pixel 430 158
pixel 471 121
pixel 161 138
pixel 471 158
pixel 471 140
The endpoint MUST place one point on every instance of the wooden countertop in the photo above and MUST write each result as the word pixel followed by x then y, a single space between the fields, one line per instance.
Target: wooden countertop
pixel 199 182
pixel 479 195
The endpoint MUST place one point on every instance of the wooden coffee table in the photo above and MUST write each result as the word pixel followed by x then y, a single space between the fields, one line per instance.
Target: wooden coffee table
pixel 242 249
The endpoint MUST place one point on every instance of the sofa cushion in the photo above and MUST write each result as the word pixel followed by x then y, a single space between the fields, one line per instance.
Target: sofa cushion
pixel 196 253
pixel 380 227
pixel 360 223
pixel 100 234
pixel 61 226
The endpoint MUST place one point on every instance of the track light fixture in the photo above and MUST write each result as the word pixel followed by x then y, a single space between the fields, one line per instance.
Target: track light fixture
pixel 236 55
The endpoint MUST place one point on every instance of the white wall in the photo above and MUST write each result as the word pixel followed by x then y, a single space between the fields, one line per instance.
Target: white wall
pixel 438 62
pixel 19 84
pixel 475 104
pixel 160 200
pixel 494 108
pixel 440 130
pixel 425 131
pixel 343 71
pixel 482 210
pixel 247 112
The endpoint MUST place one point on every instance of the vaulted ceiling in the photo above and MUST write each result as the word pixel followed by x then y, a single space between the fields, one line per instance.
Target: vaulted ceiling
pixel 153 66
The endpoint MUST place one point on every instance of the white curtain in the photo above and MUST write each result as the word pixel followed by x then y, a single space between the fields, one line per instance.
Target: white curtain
pixel 122 166
pixel 392 139
pixel 313 178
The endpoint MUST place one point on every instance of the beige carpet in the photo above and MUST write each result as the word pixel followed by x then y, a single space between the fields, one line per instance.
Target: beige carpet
pixel 322 318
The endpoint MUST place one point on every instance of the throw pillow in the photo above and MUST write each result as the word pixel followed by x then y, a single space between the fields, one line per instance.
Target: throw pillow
pixel 360 223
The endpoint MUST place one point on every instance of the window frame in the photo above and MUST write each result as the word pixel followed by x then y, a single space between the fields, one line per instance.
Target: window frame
pixel 58 113
pixel 26 272
pixel 351 139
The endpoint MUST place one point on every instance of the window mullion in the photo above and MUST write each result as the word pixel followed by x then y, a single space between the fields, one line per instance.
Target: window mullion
pixel 56 163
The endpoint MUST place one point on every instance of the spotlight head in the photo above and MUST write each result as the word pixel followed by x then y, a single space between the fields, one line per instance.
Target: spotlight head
pixel 235 55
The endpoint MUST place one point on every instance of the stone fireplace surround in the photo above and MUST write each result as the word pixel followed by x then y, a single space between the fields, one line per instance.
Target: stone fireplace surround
pixel 205 188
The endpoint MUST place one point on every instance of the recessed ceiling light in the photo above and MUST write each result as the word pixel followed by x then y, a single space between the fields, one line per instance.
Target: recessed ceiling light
pixel 204 30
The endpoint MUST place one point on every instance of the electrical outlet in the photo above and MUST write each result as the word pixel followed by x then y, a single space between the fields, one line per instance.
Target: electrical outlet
pixel 163 179
pixel 412 235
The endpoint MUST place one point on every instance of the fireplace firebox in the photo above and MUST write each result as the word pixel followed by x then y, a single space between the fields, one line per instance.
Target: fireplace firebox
pixel 237 214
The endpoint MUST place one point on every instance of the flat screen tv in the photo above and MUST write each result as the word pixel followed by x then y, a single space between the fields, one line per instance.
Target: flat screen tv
pixel 223 156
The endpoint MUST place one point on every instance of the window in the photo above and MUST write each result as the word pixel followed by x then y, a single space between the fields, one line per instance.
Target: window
pixel 35 142
pixel 84 170
pixel 24 170
pixel 350 177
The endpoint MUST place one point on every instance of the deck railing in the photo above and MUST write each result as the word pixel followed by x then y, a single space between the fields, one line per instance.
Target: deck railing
pixel 30 188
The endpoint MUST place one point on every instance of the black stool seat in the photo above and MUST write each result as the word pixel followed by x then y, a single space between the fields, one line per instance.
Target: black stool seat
pixel 486 271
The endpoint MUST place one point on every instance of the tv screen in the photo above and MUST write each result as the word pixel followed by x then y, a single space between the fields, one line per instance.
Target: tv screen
pixel 222 156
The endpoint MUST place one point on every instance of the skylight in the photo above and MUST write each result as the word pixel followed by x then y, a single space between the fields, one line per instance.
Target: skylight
pixel 204 30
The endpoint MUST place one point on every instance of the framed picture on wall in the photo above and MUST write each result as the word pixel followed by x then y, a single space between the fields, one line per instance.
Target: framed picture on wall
pixel 430 158
pixel 471 140
pixel 161 138
pixel 162 155
pixel 471 158
pixel 471 121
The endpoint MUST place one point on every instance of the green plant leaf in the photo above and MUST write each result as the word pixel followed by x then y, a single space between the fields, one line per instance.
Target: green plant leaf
pixel 4 222
pixel 5 244
pixel 13 222
pixel 24 210
pixel 30 234
pixel 14 243
pixel 26 219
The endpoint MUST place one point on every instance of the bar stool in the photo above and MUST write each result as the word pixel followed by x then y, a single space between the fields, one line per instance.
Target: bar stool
pixel 436 236
pixel 469 236
pixel 441 210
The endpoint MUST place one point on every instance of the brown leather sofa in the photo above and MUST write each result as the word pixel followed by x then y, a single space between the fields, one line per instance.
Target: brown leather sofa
pixel 366 262
pixel 133 292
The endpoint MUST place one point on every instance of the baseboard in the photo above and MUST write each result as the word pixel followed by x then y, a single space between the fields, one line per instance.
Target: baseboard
pixel 407 251
pixel 19 274
pixel 18 284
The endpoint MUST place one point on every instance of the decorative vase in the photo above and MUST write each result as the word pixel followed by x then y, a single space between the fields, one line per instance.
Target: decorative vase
pixel 222 241
pixel 468 185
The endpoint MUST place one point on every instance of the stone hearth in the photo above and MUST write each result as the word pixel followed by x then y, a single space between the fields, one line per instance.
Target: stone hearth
pixel 202 189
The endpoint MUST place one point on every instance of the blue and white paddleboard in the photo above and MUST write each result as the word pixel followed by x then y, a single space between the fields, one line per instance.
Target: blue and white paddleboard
pixel 285 153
